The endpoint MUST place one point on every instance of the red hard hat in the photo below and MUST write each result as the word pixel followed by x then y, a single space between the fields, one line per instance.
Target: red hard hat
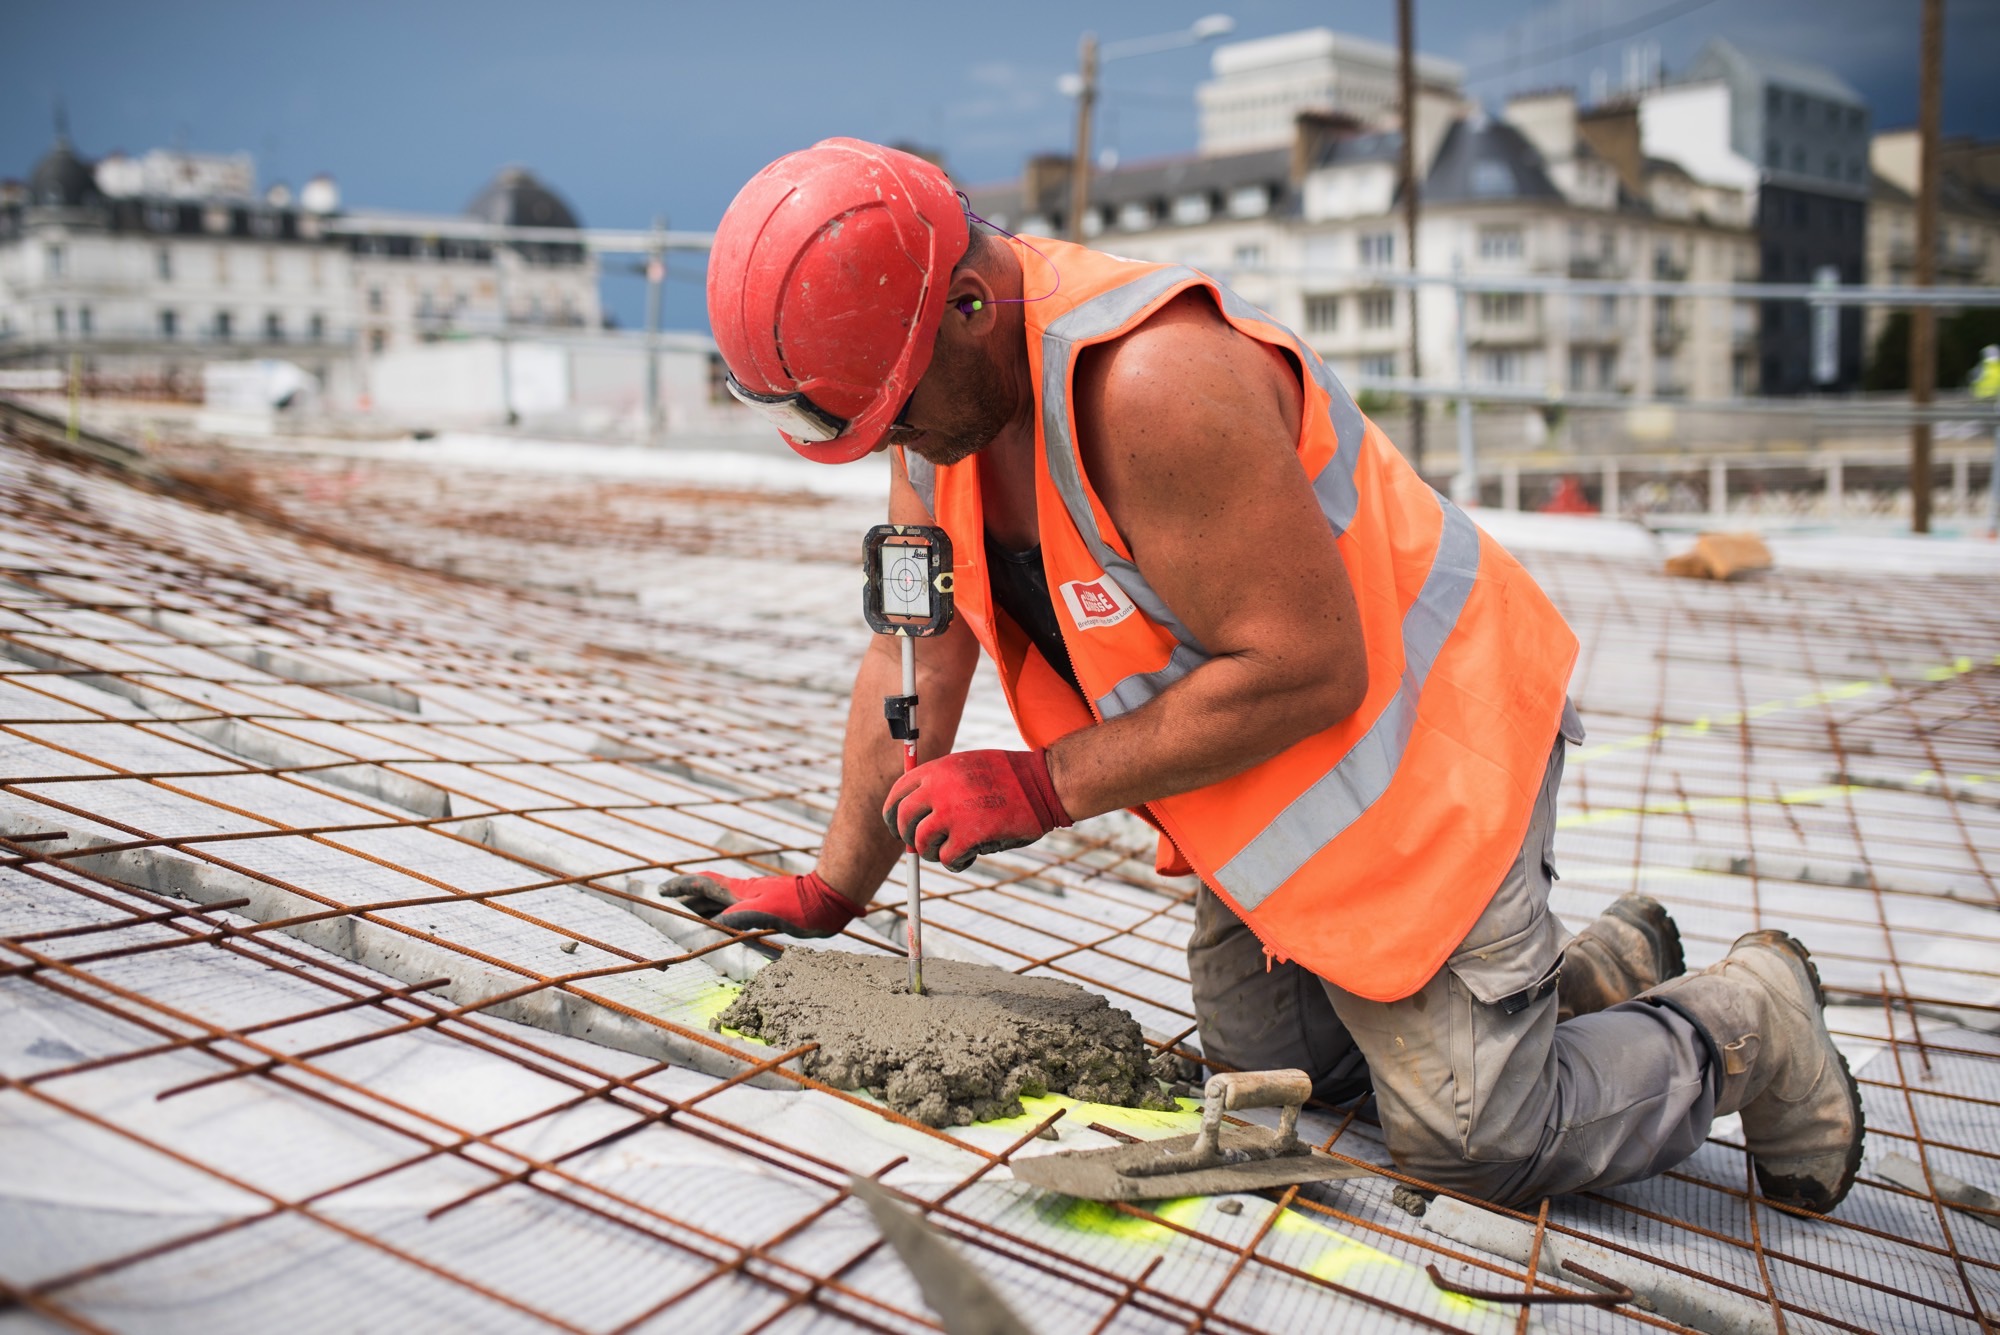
pixel 825 287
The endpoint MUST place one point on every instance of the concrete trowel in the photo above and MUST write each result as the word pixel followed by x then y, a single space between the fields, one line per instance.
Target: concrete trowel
pixel 1214 1161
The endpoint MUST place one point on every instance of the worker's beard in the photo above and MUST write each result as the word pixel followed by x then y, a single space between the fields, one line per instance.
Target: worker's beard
pixel 977 409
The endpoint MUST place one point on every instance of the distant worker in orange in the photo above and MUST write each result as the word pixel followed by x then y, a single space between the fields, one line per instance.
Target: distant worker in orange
pixel 1217 595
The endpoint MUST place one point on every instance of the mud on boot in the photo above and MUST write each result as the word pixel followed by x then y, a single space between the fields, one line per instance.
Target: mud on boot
pixel 1631 947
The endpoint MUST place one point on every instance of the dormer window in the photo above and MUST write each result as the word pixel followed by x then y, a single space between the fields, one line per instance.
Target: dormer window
pixel 1190 210
pixel 1136 216
pixel 1249 201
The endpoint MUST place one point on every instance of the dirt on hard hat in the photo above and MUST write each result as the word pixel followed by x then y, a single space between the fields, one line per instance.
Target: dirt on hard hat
pixel 964 1051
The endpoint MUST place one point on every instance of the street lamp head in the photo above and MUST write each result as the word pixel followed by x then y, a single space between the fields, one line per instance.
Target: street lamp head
pixel 1211 26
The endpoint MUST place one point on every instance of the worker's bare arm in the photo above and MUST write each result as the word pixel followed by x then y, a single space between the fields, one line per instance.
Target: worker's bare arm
pixel 859 850
pixel 1189 430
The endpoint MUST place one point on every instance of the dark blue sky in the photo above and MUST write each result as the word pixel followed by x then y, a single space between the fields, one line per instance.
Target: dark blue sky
pixel 637 109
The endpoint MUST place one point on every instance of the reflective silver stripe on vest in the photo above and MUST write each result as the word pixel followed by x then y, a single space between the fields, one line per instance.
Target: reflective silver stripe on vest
pixel 1339 498
pixel 1335 486
pixel 923 479
pixel 1318 816
pixel 1140 687
pixel 1093 319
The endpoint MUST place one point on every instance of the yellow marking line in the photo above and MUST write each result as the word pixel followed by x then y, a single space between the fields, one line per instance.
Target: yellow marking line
pixel 1848 690
pixel 1924 783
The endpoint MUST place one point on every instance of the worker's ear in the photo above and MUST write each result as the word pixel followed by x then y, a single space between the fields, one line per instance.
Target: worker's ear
pixel 968 302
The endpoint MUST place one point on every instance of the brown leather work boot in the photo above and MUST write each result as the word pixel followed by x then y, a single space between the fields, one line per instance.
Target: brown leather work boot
pixel 1630 947
pixel 1761 1006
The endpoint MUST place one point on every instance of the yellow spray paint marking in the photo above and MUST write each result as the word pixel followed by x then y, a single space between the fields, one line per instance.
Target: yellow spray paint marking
pixel 1924 783
pixel 1144 1123
pixel 1799 797
pixel 1846 690
pixel 715 1001
pixel 1326 1253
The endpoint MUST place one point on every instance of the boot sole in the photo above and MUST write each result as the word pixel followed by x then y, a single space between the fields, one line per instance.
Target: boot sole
pixel 1803 1192
pixel 1650 917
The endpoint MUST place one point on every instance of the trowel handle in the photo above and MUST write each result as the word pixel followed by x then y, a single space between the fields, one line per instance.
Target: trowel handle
pixel 1227 1091
pixel 1231 1090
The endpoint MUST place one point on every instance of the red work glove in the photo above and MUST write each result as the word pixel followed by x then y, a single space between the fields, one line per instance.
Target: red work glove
pixel 795 905
pixel 956 807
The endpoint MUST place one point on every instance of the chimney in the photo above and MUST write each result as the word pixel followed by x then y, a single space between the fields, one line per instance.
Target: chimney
pixel 1548 120
pixel 1044 176
pixel 1612 129
pixel 1313 132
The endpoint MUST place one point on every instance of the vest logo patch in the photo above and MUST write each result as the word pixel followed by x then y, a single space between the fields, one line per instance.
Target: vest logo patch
pixel 1096 603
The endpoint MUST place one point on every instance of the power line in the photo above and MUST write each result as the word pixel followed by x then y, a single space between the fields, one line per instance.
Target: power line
pixel 1589 41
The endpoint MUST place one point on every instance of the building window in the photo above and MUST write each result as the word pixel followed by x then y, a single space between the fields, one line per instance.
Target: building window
pixel 162 217
pixel 1503 307
pixel 274 328
pixel 1322 314
pixel 169 324
pixel 163 265
pixel 1378 250
pixel 1798 106
pixel 375 300
pixel 1136 216
pixel 1378 310
pixel 83 321
pixel 1833 166
pixel 53 261
pixel 1798 160
pixel 1579 369
pixel 1381 368
pixel 1774 155
pixel 1502 368
pixel 1249 201
pixel 1774 101
pixel 62 322
pixel 316 327
pixel 375 340
pixel 1250 255
pixel 1192 209
pixel 224 326
pixel 1500 243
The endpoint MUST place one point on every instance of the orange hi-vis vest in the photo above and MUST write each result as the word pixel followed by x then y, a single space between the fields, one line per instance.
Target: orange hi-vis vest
pixel 1367 851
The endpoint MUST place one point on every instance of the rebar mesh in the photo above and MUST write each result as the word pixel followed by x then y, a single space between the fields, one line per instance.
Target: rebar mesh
pixel 336 993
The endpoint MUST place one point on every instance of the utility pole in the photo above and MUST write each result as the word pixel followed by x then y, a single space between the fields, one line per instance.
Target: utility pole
pixel 1079 167
pixel 1923 320
pixel 656 273
pixel 507 413
pixel 1406 37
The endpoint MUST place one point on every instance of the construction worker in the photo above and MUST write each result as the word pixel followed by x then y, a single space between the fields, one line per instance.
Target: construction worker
pixel 1216 595
pixel 1986 375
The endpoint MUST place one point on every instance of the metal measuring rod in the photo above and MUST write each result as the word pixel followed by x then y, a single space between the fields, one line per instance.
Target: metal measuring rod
pixel 907 569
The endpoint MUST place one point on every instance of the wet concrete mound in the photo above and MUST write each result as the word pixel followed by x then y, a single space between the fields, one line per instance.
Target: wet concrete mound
pixel 965 1051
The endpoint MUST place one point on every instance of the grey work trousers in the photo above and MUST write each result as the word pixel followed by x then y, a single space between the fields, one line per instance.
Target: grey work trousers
pixel 1478 1088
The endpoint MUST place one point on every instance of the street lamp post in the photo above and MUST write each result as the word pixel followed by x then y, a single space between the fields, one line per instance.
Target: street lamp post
pixel 1083 85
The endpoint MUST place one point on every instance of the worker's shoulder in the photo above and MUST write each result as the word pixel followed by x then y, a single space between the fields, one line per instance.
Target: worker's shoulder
pixel 1184 345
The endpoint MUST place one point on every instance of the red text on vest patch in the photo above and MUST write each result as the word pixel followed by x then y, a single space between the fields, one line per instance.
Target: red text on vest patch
pixel 1096 602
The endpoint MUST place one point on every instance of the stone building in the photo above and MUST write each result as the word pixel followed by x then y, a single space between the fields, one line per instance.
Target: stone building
pixel 144 269
pixel 1310 231
pixel 1968 240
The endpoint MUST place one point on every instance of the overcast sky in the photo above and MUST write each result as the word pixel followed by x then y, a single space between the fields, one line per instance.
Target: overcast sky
pixel 637 109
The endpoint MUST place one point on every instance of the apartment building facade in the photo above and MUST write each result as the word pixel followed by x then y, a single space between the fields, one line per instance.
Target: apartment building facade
pixel 144 269
pixel 1312 232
